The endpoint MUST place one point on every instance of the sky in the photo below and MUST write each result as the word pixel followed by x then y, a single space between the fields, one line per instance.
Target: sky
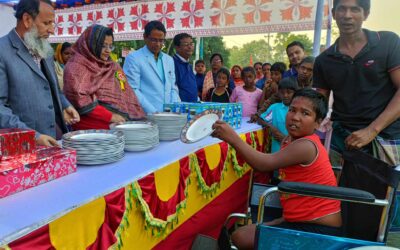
pixel 384 16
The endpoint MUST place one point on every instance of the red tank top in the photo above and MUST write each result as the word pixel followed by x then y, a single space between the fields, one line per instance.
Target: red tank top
pixel 302 208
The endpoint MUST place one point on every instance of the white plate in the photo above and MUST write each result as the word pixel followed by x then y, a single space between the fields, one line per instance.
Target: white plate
pixel 200 126
pixel 94 136
pixel 134 126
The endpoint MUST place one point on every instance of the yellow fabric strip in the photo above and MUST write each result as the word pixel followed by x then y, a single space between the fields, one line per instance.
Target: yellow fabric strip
pixel 78 229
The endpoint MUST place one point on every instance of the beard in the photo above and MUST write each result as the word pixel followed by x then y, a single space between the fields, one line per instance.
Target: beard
pixel 38 45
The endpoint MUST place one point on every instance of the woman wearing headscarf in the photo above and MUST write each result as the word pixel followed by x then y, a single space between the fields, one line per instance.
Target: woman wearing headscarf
pixel 61 56
pixel 96 85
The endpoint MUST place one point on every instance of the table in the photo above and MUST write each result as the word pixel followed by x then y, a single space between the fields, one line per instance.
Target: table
pixel 63 210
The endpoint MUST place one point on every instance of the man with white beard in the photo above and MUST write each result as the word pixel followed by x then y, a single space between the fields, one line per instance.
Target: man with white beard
pixel 29 93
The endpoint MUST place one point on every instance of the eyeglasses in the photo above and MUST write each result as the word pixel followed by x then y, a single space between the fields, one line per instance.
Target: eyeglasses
pixel 109 47
pixel 155 40
pixel 187 44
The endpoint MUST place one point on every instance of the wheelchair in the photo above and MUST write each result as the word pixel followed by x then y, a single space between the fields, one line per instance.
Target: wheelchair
pixel 367 189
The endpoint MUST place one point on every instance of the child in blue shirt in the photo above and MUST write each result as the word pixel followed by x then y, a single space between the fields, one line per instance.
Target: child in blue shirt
pixel 275 116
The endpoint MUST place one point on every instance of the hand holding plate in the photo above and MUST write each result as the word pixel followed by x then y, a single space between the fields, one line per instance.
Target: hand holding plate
pixel 223 131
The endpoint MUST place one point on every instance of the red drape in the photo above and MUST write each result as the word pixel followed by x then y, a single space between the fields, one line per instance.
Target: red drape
pixel 162 209
pixel 211 218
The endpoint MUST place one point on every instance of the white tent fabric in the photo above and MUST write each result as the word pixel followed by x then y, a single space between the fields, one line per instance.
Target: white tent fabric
pixel 7 19
pixel 199 18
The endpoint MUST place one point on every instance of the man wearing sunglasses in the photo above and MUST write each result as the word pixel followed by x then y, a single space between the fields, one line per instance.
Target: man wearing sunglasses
pixel 151 72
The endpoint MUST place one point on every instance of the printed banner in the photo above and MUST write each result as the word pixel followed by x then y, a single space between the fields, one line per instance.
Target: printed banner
pixel 199 18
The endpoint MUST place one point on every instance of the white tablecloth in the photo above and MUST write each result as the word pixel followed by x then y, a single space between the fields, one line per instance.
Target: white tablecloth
pixel 24 212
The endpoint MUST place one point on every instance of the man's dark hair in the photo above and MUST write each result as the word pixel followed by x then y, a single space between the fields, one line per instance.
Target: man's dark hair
pixel 224 71
pixel 154 25
pixel 179 37
pixel 295 43
pixel 28 6
pixel 288 83
pixel 248 69
pixel 318 100
pixel 308 59
pixel 199 61
pixel 216 54
pixel 365 4
pixel 279 66
pixel 257 63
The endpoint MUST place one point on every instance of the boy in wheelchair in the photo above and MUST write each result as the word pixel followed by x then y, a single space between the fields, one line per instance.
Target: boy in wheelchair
pixel 302 159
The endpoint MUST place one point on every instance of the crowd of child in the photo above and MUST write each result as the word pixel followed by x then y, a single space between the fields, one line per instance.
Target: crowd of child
pixel 256 87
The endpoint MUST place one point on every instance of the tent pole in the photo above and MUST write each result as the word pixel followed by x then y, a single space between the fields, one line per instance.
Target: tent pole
pixel 318 26
pixel 329 29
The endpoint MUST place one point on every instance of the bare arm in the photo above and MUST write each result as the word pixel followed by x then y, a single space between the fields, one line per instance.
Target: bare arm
pixel 298 152
pixel 391 113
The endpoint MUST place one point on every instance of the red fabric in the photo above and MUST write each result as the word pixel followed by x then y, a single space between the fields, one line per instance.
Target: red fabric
pixel 261 177
pixel 158 208
pixel 209 220
pixel 115 207
pixel 212 176
pixel 303 208
pixel 99 118
pixel 38 240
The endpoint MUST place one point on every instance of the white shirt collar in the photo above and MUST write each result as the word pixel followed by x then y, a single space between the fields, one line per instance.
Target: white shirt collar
pixel 183 59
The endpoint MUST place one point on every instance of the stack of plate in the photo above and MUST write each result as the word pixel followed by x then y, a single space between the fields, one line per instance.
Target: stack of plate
pixel 169 124
pixel 139 135
pixel 95 147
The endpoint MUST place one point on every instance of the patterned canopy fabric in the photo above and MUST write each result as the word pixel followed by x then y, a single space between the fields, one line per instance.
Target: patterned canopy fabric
pixel 198 18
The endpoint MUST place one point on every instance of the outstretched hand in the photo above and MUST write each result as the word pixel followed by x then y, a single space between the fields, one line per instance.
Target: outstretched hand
pixel 223 131
pixel 45 140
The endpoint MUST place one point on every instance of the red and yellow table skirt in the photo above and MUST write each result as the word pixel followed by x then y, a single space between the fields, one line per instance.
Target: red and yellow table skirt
pixel 163 210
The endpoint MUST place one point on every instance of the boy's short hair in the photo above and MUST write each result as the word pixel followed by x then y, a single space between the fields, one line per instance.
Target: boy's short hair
pixel 199 61
pixel 224 71
pixel 308 59
pixel 318 100
pixel 248 69
pixel 295 43
pixel 279 66
pixel 365 4
pixel 288 83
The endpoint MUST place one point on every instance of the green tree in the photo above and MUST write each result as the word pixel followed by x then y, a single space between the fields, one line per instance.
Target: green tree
pixel 283 39
pixel 259 51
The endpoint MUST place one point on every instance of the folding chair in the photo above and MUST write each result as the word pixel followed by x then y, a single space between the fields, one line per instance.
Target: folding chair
pixel 367 190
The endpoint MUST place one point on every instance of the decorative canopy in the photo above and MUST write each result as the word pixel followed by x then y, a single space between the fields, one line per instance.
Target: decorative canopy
pixel 198 18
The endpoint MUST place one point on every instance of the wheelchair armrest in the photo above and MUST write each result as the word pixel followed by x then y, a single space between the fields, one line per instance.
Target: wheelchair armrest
pixel 322 191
